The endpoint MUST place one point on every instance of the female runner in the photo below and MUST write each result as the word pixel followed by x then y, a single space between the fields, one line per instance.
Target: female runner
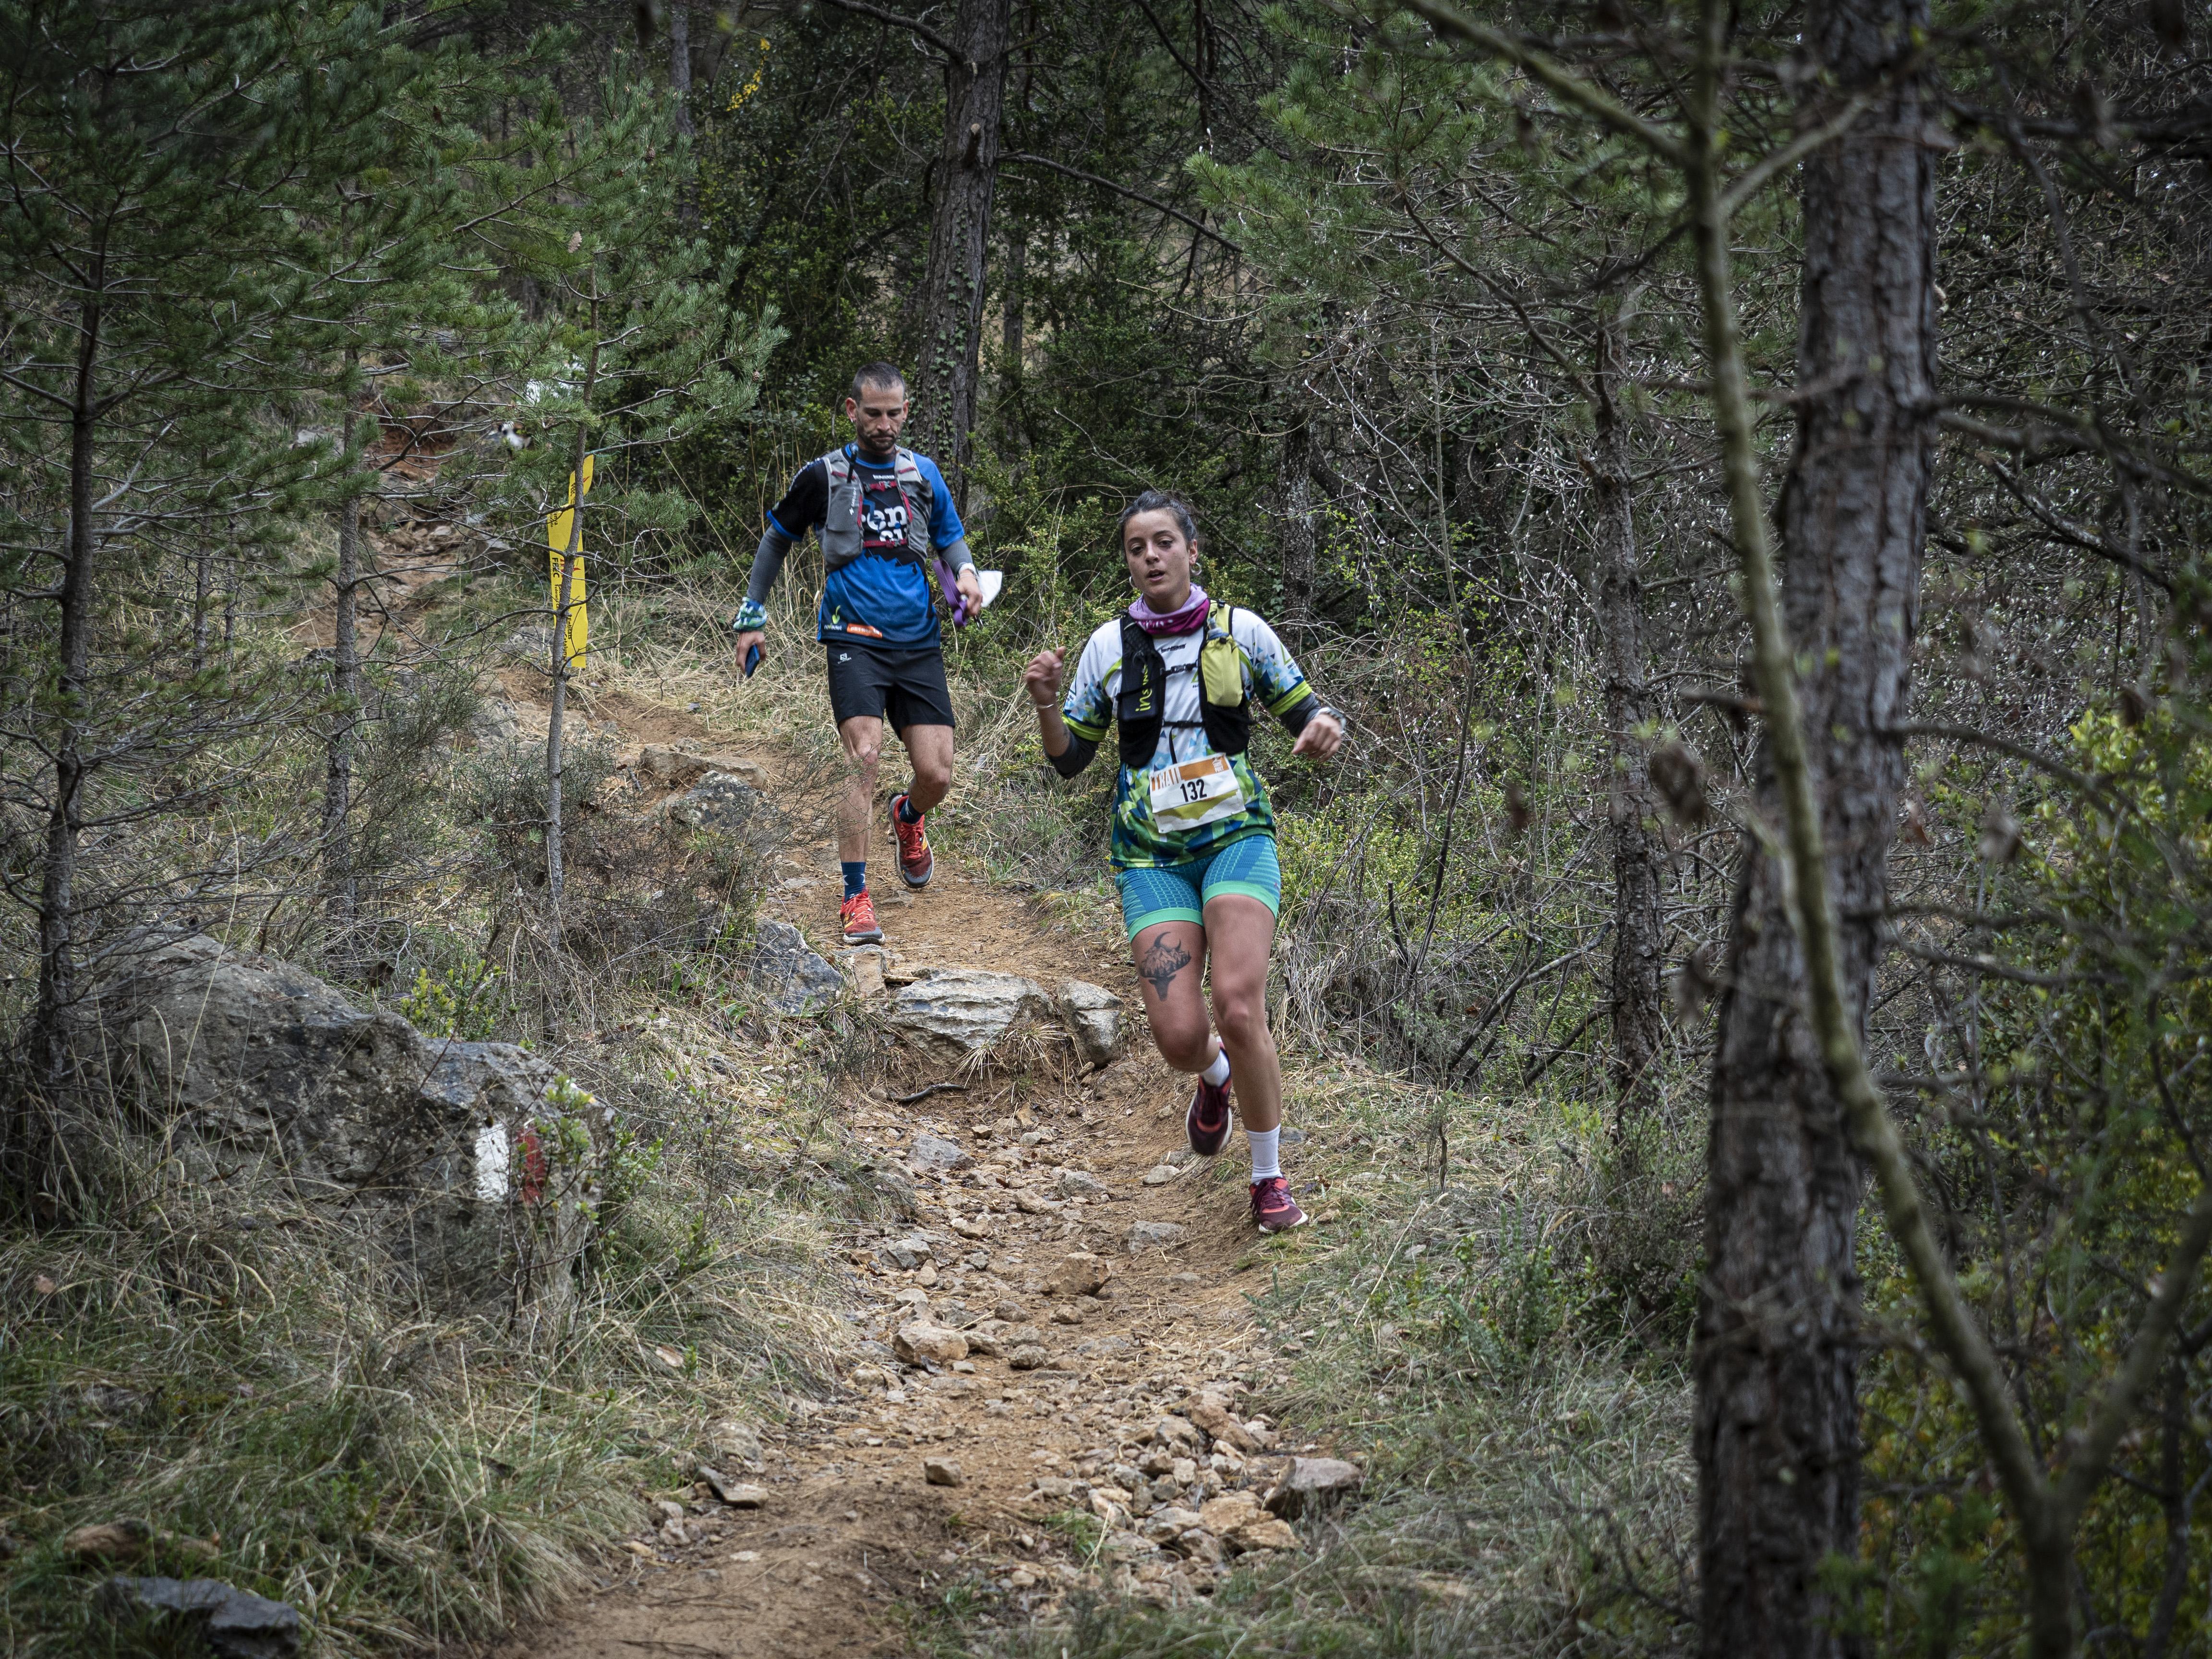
pixel 1194 838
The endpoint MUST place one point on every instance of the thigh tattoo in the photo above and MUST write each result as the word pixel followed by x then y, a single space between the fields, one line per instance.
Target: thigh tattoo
pixel 1162 962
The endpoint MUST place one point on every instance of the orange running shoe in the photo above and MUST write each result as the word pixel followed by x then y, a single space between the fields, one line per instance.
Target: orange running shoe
pixel 859 917
pixel 915 862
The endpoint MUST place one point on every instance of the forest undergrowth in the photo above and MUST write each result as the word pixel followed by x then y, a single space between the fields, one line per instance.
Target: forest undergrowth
pixel 214 1367
pixel 1736 468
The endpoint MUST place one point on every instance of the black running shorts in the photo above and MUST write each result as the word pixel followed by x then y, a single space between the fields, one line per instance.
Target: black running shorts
pixel 905 686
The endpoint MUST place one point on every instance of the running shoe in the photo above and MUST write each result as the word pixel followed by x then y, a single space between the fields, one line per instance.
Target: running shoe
pixel 858 917
pixel 1273 1208
pixel 1207 1122
pixel 915 862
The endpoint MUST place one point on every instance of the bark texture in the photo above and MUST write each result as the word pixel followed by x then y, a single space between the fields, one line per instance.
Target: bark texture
pixel 1777 1433
pixel 959 231
pixel 1632 807
pixel 57 987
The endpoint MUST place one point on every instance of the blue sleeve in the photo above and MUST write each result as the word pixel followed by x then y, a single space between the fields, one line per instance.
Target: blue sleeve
pixel 944 526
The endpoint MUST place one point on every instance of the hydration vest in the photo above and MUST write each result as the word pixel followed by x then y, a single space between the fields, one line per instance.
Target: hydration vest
pixel 841 533
pixel 1224 703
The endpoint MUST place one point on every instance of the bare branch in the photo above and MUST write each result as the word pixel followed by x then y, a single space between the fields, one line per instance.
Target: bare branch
pixel 1121 190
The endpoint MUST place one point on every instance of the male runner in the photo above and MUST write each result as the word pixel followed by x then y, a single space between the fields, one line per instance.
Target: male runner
pixel 881 512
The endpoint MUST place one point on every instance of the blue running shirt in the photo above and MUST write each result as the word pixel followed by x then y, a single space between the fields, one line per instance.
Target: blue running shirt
pixel 879 598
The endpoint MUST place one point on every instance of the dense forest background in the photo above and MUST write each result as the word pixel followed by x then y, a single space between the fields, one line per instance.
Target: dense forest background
pixel 1739 467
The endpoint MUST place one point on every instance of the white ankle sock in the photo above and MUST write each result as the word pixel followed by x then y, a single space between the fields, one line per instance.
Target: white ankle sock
pixel 1217 1074
pixel 1264 1154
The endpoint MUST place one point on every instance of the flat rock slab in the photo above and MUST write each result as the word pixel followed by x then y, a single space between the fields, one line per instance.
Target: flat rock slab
pixel 233 1623
pixel 965 1011
pixel 1154 1236
pixel 863 968
pixel 738 1494
pixel 935 1152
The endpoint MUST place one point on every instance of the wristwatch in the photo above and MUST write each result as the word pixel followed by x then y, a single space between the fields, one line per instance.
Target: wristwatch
pixel 1336 714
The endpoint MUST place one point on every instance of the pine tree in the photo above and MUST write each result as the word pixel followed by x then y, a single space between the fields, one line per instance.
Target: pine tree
pixel 174 281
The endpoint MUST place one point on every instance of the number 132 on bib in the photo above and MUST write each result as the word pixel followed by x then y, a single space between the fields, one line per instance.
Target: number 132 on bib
pixel 1195 793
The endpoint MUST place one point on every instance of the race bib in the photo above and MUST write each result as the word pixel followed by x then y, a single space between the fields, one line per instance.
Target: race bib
pixel 1196 792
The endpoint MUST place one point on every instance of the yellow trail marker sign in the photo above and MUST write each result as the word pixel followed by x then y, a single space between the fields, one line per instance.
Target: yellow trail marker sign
pixel 559 526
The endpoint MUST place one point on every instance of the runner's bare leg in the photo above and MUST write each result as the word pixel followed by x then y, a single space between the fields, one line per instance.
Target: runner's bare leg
pixel 862 737
pixel 1240 935
pixel 1170 958
pixel 930 750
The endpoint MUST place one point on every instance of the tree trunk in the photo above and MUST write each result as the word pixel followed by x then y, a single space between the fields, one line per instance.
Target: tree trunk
pixel 953 287
pixel 57 881
pixel 1633 812
pixel 679 80
pixel 1777 1432
pixel 339 893
pixel 202 588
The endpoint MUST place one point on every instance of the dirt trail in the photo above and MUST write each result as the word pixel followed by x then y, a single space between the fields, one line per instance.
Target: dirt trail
pixel 850 1527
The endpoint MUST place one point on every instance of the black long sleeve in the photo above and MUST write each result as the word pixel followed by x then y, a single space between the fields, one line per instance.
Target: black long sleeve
pixel 1074 758
pixel 1294 718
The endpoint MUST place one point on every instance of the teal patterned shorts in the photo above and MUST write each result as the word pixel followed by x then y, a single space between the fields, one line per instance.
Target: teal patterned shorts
pixel 1179 892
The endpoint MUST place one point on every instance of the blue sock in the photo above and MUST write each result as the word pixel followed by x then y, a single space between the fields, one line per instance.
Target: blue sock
pixel 856 876
pixel 907 814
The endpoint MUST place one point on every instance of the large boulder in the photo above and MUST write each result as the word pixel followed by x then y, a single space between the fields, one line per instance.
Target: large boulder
pixel 457 1164
pixel 964 1011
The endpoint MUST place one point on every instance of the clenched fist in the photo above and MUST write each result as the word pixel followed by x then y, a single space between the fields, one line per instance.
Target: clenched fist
pixel 1042 679
pixel 1321 738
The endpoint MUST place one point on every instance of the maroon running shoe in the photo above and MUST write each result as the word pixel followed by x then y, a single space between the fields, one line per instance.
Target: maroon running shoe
pixel 1207 1122
pixel 915 862
pixel 1273 1208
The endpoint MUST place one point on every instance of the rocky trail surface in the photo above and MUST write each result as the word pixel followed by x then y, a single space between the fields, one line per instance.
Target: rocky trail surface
pixel 1056 1326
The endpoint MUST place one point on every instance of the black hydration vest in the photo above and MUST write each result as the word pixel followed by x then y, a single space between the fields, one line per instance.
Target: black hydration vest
pixel 842 532
pixel 1224 703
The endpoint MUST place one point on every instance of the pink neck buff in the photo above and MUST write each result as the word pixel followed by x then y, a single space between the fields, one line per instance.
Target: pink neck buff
pixel 1188 620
